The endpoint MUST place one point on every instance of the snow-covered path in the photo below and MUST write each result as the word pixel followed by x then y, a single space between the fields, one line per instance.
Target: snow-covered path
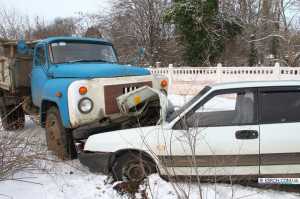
pixel 70 180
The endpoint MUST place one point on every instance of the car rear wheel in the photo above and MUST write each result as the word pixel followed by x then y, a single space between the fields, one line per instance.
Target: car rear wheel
pixel 59 140
pixel 132 167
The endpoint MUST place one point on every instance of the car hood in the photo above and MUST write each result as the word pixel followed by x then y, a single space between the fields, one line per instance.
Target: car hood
pixel 134 138
pixel 95 70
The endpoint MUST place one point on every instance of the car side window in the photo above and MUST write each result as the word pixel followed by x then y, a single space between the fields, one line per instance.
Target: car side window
pixel 280 106
pixel 225 109
pixel 40 58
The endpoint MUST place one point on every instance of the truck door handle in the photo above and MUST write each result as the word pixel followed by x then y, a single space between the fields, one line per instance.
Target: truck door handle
pixel 246 134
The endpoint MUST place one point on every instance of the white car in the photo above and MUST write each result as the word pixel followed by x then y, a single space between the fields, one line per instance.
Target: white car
pixel 231 129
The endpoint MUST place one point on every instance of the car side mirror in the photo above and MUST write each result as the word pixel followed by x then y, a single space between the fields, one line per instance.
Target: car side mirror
pixel 182 124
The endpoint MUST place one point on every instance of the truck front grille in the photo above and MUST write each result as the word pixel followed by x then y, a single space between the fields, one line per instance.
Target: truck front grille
pixel 111 92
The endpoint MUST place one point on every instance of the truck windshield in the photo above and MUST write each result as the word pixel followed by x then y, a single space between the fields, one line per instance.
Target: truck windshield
pixel 71 52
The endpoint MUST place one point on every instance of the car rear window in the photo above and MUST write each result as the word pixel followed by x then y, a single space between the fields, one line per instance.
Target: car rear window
pixel 280 106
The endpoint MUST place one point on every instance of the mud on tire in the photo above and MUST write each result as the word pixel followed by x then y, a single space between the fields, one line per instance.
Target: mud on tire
pixel 59 140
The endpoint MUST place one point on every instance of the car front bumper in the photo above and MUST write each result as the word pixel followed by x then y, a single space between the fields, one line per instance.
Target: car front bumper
pixel 96 162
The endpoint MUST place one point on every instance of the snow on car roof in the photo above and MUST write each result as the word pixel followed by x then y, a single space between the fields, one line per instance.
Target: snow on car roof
pixel 250 84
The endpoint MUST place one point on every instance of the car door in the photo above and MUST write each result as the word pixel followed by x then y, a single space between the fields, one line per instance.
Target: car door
pixel 218 137
pixel 38 74
pixel 280 130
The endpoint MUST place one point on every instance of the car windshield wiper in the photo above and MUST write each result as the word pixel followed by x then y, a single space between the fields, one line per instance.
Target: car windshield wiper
pixel 89 60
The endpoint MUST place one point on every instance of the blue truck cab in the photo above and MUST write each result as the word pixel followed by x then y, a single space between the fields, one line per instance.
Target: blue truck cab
pixel 72 86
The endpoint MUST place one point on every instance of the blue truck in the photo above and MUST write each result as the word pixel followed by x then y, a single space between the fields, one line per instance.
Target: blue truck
pixel 70 85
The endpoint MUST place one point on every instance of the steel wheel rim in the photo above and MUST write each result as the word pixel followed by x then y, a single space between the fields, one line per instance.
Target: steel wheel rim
pixel 136 171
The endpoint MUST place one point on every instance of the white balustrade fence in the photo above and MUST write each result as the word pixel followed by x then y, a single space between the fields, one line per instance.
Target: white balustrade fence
pixel 191 78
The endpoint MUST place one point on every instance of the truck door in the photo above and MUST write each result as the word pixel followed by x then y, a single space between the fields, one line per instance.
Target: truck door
pixel 39 74
pixel 280 130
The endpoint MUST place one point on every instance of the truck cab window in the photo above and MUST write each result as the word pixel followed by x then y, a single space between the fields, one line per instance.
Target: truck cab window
pixel 40 58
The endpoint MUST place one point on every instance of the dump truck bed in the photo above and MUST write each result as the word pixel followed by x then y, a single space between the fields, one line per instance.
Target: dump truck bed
pixel 15 68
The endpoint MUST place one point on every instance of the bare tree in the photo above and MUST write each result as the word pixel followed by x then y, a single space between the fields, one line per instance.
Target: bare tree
pixel 12 24
pixel 269 29
pixel 60 27
pixel 137 24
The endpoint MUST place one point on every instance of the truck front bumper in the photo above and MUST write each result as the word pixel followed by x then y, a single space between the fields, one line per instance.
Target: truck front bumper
pixel 96 162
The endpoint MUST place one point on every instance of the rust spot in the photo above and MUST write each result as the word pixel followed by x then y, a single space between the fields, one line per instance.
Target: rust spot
pixel 111 93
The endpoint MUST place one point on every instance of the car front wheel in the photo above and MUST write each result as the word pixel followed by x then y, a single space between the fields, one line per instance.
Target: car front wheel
pixel 132 167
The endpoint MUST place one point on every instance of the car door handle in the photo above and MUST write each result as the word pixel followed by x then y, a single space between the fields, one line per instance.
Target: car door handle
pixel 246 134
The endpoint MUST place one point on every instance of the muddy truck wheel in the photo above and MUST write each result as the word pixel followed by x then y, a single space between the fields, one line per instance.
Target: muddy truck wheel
pixel 59 140
pixel 12 118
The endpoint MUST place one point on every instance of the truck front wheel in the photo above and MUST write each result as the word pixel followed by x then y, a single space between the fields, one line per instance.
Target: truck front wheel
pixel 59 140
pixel 13 118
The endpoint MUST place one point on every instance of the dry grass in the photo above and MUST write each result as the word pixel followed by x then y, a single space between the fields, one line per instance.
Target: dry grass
pixel 20 150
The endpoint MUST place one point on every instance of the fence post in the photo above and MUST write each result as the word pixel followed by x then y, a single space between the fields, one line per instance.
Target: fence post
pixel 219 72
pixel 170 74
pixel 157 64
pixel 277 70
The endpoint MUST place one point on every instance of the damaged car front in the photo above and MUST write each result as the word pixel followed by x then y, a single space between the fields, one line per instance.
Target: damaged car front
pixel 143 107
pixel 102 151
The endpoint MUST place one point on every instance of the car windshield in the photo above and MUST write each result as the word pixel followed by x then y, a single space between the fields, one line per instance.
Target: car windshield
pixel 173 115
pixel 71 52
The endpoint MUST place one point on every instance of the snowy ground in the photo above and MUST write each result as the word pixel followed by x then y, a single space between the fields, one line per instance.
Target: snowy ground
pixel 70 180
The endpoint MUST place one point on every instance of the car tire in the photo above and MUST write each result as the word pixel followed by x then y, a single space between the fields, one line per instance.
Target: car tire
pixel 132 167
pixel 59 140
pixel 12 121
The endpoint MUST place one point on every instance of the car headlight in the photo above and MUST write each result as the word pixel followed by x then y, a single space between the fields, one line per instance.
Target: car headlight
pixel 85 105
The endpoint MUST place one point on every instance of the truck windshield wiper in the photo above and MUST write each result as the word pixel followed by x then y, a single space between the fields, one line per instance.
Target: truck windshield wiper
pixel 89 60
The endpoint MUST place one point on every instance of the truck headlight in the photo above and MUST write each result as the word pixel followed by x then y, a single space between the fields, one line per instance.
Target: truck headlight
pixel 85 105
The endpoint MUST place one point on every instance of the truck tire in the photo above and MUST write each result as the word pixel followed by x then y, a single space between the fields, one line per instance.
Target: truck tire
pixel 59 140
pixel 12 121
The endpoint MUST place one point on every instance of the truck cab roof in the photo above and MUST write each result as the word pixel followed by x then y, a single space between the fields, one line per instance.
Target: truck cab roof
pixel 80 39
pixel 6 42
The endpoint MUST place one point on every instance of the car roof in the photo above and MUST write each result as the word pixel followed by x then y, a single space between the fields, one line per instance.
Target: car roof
pixel 84 39
pixel 254 84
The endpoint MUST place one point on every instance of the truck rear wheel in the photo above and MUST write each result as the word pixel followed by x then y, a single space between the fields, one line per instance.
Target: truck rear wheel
pixel 59 140
pixel 13 119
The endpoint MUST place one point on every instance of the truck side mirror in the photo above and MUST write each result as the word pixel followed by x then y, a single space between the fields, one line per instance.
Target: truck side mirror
pixel 141 52
pixel 22 48
pixel 140 55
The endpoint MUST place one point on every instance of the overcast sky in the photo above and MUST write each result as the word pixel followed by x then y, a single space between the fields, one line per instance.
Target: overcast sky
pixel 50 9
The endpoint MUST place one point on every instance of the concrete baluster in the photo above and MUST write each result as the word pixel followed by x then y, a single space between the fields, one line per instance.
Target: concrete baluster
pixel 277 70
pixel 170 74
pixel 219 72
